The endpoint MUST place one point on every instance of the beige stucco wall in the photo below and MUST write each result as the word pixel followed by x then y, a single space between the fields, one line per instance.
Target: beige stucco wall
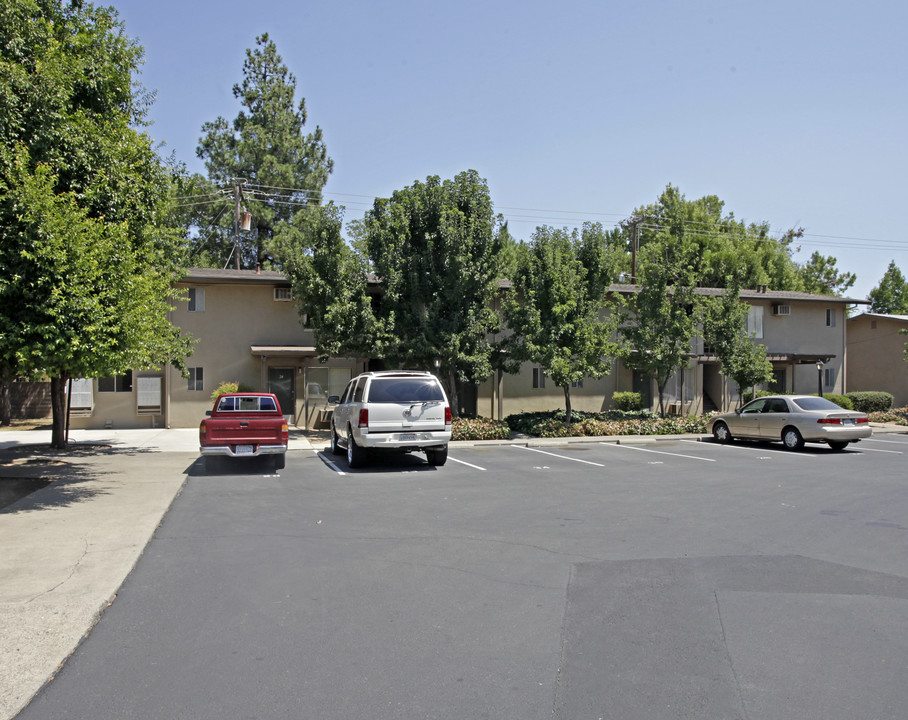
pixel 805 332
pixel 876 356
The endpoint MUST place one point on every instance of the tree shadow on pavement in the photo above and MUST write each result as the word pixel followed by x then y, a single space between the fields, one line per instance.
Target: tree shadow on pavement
pixel 36 477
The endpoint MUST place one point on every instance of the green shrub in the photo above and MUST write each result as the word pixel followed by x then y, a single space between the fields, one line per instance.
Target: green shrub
pixel 627 401
pixel 840 400
pixel 552 425
pixel 869 402
pixel 479 428
pixel 230 387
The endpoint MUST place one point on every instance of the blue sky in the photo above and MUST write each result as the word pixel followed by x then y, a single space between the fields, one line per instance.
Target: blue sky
pixel 793 112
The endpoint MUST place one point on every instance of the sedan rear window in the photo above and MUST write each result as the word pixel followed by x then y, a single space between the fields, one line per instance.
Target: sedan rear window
pixel 404 390
pixel 815 403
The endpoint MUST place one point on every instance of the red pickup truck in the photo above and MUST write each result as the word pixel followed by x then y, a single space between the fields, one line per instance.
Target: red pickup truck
pixel 244 425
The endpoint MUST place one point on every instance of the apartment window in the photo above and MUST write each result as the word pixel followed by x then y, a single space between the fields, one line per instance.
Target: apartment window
pixel 196 299
pixel 81 397
pixel 116 383
pixel 283 294
pixel 539 378
pixel 829 377
pixel 830 317
pixel 148 395
pixel 195 381
pixel 755 321
pixel 577 385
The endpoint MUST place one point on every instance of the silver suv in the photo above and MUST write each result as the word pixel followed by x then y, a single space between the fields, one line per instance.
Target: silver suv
pixel 400 410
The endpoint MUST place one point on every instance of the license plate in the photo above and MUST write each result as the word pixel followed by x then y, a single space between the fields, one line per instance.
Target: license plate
pixel 849 421
pixel 244 449
pixel 408 436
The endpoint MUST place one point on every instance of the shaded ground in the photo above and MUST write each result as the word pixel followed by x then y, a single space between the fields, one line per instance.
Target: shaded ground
pixel 26 469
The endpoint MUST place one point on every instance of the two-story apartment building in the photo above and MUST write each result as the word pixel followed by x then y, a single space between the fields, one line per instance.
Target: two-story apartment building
pixel 250 330
pixel 798 330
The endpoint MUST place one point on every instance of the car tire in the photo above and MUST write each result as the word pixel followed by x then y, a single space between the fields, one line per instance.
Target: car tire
pixel 838 444
pixel 356 456
pixel 792 439
pixel 280 461
pixel 437 457
pixel 721 433
pixel 336 448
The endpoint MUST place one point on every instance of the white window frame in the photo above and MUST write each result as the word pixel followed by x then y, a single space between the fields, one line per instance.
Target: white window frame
pixel 196 299
pixel 148 395
pixel 755 321
pixel 283 294
pixel 82 397
pixel 830 317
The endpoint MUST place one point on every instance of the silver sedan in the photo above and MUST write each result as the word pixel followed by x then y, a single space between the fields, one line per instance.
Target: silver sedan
pixel 793 419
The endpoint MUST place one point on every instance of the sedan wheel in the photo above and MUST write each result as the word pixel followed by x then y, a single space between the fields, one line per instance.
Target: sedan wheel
pixel 721 433
pixel 838 444
pixel 792 438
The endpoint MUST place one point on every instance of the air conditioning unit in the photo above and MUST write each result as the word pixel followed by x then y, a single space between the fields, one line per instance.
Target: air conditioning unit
pixel 781 309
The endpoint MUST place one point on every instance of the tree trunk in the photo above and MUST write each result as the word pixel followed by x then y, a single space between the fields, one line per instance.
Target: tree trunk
pixel 452 394
pixel 58 405
pixel 6 410
pixel 661 397
pixel 567 402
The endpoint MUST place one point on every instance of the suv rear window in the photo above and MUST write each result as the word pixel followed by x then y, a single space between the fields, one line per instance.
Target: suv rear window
pixel 404 390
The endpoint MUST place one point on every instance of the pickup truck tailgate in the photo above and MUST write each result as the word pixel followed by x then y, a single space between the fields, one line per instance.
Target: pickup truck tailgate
pixel 247 431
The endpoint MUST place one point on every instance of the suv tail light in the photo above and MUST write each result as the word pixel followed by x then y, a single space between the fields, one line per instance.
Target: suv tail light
pixel 364 417
pixel 447 416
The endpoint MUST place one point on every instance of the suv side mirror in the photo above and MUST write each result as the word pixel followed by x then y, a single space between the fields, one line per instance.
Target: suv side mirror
pixel 333 399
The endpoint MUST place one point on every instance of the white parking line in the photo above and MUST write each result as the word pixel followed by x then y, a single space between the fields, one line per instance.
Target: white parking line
pixel 330 464
pixel 750 446
pixel 891 452
pixel 659 452
pixel 891 442
pixel 563 457
pixel 475 467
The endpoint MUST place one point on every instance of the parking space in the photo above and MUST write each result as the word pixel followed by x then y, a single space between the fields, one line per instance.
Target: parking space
pixel 560 580
pixel 676 455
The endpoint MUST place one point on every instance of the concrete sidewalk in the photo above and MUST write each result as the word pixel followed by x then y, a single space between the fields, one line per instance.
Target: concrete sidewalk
pixel 68 547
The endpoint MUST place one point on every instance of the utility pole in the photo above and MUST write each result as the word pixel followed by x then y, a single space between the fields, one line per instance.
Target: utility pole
pixel 634 223
pixel 236 221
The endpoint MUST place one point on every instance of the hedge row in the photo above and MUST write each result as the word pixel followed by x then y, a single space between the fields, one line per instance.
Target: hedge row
pixel 869 402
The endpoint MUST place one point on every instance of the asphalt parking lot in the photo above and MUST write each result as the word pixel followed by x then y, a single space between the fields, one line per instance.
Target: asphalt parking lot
pixel 673 579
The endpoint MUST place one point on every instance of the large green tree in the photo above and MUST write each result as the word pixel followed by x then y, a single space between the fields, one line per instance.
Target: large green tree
pixel 820 275
pixel 660 318
pixel 330 283
pixel 721 244
pixel 265 155
pixel 559 314
pixel 88 265
pixel 723 322
pixel 434 247
pixel 890 296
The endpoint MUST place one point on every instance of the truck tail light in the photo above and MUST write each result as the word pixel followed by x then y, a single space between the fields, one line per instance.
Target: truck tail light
pixel 364 417
pixel 203 431
pixel 447 416
pixel 285 431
